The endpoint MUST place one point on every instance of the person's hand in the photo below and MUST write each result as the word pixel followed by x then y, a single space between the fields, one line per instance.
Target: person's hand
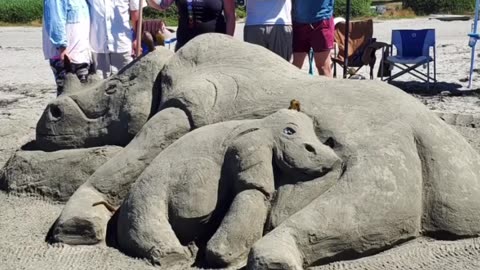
pixel 63 52
pixel 134 48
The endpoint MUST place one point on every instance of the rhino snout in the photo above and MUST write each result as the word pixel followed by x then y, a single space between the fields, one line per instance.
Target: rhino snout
pixel 322 159
pixel 59 110
pixel 64 125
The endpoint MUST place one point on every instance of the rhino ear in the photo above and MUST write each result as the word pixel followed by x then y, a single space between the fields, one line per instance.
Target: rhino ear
pixel 72 84
pixel 93 79
pixel 250 154
pixel 294 105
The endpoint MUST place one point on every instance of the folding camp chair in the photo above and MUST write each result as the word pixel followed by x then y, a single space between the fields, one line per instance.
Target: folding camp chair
pixel 413 52
pixel 361 46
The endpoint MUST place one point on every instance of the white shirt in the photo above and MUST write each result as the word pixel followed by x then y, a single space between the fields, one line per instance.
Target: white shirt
pixel 78 49
pixel 269 12
pixel 110 30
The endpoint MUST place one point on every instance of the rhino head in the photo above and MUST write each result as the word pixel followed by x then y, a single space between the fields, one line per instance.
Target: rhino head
pixel 298 152
pixel 106 112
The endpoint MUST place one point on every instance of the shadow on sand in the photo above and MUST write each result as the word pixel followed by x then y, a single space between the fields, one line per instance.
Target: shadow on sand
pixel 439 88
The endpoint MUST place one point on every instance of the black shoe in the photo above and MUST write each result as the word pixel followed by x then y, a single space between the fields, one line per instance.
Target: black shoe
pixel 59 90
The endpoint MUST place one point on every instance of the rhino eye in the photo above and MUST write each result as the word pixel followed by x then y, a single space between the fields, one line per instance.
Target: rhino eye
pixel 111 88
pixel 289 131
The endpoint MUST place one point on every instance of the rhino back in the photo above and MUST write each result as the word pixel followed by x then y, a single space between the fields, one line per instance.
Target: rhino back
pixel 216 78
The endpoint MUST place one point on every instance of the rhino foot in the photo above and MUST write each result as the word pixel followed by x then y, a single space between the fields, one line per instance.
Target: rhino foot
pixel 81 223
pixel 170 258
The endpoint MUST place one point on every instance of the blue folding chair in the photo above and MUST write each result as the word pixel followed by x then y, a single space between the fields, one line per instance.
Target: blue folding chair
pixel 412 52
pixel 170 41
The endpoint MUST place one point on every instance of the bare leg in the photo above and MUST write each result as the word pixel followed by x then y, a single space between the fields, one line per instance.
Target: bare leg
pixel 240 229
pixel 112 181
pixel 299 59
pixel 324 63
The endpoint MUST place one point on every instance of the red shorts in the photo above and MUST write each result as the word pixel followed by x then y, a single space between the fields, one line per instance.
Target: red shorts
pixel 318 36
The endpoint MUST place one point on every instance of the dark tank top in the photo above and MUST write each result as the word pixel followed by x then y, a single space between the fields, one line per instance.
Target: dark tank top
pixel 198 17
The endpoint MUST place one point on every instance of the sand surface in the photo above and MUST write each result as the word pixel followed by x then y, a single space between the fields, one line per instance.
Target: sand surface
pixel 27 85
pixel 24 223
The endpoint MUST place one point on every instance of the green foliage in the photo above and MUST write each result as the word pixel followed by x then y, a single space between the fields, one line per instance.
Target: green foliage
pixel 423 7
pixel 241 12
pixel 26 11
pixel 20 11
pixel 358 8
pixel 169 16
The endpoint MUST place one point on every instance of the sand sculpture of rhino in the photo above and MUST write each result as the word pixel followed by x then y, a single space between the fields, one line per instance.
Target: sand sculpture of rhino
pixel 219 174
pixel 407 172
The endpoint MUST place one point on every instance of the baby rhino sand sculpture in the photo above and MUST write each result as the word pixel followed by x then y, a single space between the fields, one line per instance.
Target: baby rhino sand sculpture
pixel 219 174
pixel 406 172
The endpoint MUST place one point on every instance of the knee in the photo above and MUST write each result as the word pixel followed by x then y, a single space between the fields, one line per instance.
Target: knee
pixel 325 69
pixel 275 251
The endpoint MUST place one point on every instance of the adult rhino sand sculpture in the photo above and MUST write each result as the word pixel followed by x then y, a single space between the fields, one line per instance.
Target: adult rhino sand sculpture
pixel 407 173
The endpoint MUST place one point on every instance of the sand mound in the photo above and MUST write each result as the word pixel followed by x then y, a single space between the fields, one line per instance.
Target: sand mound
pixel 421 254
pixel 25 222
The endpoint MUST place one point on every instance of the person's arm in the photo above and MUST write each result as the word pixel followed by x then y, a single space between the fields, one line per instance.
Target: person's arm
pixel 135 6
pixel 162 5
pixel 55 20
pixel 229 12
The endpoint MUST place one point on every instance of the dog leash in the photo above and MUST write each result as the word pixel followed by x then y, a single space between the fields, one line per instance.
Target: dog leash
pixel 310 61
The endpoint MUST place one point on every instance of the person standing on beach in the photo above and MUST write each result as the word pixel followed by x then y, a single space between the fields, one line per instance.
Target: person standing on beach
pixel 269 24
pixel 196 17
pixel 66 25
pixel 111 37
pixel 313 27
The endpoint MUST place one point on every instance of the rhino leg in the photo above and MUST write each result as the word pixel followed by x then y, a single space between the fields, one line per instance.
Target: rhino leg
pixel 115 177
pixel 244 222
pixel 87 228
pixel 376 204
pixel 241 227
pixel 144 230
pixel 112 181
pixel 451 169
